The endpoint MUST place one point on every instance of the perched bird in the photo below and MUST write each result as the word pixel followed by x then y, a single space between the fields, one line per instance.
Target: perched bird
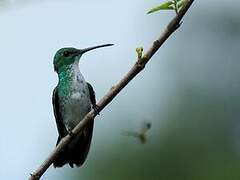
pixel 72 99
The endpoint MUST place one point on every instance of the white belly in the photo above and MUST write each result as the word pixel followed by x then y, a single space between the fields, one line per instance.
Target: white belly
pixel 76 107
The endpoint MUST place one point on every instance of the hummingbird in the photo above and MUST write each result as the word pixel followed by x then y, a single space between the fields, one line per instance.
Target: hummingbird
pixel 141 134
pixel 72 99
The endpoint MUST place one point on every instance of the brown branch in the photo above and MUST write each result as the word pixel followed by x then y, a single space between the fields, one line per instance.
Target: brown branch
pixel 138 66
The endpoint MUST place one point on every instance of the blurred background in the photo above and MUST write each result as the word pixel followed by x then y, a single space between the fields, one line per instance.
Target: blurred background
pixel 189 91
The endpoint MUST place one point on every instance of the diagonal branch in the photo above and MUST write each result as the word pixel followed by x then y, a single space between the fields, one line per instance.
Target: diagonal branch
pixel 137 67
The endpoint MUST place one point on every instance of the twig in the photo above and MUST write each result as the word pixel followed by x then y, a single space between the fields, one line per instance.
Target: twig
pixel 137 67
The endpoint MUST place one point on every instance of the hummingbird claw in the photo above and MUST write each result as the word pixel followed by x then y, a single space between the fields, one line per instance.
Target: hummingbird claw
pixel 70 133
pixel 96 109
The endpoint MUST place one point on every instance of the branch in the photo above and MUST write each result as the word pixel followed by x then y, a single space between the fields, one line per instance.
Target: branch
pixel 137 67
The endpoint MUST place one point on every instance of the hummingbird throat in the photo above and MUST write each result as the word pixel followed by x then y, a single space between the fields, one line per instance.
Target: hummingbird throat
pixel 68 78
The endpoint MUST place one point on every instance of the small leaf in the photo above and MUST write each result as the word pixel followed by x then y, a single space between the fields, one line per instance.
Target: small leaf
pixel 169 5
pixel 139 51
pixel 181 3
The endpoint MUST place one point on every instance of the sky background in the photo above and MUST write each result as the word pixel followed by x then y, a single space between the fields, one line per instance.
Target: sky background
pixel 189 91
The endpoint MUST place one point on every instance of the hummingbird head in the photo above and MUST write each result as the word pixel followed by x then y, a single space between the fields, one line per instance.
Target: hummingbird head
pixel 69 55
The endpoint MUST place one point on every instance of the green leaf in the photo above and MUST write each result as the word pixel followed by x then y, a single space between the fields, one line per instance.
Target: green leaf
pixel 169 5
pixel 139 51
pixel 181 3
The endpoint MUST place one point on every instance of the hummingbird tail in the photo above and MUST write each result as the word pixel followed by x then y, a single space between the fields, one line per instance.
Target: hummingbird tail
pixel 77 154
pixel 62 158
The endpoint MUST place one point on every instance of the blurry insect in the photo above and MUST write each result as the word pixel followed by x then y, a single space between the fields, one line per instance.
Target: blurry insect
pixel 141 135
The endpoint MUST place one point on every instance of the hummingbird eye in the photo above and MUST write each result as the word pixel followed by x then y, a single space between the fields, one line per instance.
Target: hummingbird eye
pixel 66 53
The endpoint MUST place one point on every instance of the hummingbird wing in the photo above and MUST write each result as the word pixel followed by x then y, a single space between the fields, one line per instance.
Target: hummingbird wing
pixel 92 94
pixel 63 157
pixel 58 117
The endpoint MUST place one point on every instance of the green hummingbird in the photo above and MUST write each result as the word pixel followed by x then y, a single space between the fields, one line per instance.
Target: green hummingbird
pixel 72 99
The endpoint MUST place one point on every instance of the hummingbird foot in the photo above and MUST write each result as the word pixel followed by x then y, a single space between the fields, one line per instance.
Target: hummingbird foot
pixel 70 133
pixel 96 109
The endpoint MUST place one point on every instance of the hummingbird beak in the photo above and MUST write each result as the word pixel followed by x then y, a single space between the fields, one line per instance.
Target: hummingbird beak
pixel 82 51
